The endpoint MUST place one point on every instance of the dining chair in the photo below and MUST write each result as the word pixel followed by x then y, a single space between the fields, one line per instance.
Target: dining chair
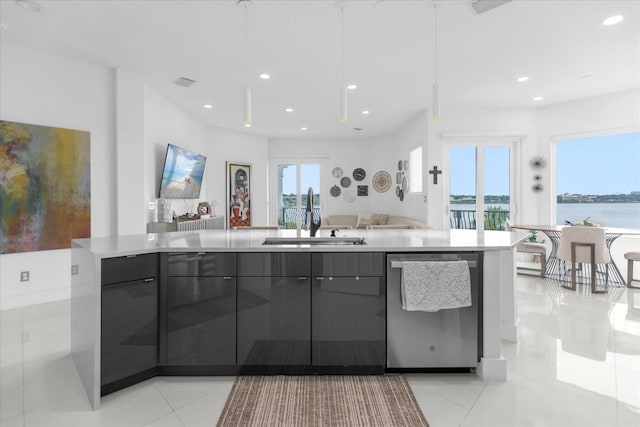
pixel 531 248
pixel 631 256
pixel 585 246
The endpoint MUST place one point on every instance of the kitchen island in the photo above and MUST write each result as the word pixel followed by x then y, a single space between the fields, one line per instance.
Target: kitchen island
pixel 129 292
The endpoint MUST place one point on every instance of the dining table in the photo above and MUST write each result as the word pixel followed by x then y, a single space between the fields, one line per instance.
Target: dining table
pixel 554 232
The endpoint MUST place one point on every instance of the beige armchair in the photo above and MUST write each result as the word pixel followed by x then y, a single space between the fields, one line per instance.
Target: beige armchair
pixel 585 246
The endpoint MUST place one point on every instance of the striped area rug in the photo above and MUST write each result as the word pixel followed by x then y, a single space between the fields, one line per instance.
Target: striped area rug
pixel 321 401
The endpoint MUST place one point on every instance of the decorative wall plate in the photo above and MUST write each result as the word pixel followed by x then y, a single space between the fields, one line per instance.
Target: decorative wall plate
pixel 381 181
pixel 359 174
pixel 400 163
pixel 363 190
pixel 348 196
pixel 538 162
pixel 336 172
pixel 335 191
pixel 345 181
pixel 398 191
pixel 401 195
pixel 398 178
pixel 406 165
pixel 405 184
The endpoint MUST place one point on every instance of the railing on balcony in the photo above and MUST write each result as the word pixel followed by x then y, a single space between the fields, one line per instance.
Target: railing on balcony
pixel 466 219
pixel 287 217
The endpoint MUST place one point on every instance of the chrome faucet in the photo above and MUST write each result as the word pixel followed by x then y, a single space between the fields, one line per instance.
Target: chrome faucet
pixel 313 227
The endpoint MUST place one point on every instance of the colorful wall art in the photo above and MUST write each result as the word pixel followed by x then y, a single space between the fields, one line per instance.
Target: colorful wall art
pixel 238 201
pixel 45 187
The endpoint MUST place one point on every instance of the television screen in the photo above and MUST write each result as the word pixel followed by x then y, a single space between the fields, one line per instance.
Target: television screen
pixel 182 174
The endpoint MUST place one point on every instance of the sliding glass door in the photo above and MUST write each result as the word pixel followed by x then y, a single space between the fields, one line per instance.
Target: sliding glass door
pixel 480 186
pixel 293 179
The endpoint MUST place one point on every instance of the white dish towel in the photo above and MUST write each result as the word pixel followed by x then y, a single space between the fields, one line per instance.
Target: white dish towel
pixel 435 285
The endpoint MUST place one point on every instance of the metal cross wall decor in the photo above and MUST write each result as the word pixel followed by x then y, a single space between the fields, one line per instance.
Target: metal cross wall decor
pixel 435 172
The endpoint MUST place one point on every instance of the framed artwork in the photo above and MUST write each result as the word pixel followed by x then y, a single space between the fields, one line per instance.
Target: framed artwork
pixel 239 194
pixel 45 187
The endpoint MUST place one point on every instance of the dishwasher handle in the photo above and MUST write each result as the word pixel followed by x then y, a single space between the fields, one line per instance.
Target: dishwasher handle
pixel 398 264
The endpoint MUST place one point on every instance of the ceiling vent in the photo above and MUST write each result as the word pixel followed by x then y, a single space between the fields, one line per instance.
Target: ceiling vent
pixel 184 82
pixel 482 6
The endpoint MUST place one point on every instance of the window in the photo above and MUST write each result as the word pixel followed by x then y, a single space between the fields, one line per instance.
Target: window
pixel 598 179
pixel 292 179
pixel 415 170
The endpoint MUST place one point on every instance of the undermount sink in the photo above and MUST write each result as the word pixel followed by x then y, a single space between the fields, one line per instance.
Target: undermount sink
pixel 314 241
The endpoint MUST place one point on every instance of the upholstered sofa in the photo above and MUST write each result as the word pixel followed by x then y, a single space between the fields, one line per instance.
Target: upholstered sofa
pixel 371 221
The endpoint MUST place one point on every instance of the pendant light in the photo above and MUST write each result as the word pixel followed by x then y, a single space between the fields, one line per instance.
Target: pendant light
pixel 246 99
pixel 436 88
pixel 343 88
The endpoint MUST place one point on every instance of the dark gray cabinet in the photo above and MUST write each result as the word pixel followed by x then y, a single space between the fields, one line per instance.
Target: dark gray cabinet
pixel 200 310
pixel 129 320
pixel 348 310
pixel 274 301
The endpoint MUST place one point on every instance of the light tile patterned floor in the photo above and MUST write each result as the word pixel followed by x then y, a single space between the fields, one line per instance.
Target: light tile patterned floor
pixel 577 364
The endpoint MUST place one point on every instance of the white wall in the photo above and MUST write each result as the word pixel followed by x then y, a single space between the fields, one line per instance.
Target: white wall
pixel 47 90
pixel 386 152
pixel 609 114
pixel 371 154
pixel 224 146
pixel 165 123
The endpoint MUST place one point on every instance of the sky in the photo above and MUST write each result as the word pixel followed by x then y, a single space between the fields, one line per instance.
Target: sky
pixel 597 165
pixel 309 174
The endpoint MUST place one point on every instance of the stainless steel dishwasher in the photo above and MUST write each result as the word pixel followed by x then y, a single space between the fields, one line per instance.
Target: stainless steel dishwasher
pixel 440 340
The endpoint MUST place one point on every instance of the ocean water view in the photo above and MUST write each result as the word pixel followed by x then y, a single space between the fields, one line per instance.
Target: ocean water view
pixel 623 215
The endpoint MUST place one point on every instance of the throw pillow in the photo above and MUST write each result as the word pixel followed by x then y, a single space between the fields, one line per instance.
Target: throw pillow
pixel 379 219
pixel 364 220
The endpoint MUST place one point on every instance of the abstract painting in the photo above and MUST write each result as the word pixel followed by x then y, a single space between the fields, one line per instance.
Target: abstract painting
pixel 239 206
pixel 45 187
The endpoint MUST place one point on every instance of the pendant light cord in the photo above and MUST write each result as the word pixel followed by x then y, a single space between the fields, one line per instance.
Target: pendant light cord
pixel 246 45
pixel 435 39
pixel 342 45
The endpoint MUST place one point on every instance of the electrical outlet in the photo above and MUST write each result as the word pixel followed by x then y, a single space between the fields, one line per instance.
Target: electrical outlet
pixel 151 205
pixel 74 269
pixel 24 276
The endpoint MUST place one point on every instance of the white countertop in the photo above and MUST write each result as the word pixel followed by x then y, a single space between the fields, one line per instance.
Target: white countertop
pixel 251 241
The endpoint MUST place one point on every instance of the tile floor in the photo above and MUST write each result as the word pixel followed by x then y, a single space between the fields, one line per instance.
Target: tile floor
pixel 577 364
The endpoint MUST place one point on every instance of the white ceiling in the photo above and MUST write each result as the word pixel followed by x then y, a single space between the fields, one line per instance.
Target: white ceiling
pixel 388 53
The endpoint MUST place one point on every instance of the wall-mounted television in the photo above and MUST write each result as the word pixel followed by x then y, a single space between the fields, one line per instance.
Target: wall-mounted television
pixel 182 174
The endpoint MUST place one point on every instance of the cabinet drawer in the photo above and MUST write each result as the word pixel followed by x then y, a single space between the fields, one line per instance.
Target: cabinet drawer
pixel 274 264
pixel 202 264
pixel 129 268
pixel 348 264
pixel 129 331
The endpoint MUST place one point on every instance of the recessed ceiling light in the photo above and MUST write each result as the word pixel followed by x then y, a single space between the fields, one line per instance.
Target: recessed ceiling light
pixel 247 125
pixel 265 76
pixel 613 20
pixel 538 98
pixel 288 110
pixel 208 106
pixel 304 128
pixel 365 112
pixel 523 79
pixel 352 87
pixel 29 5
